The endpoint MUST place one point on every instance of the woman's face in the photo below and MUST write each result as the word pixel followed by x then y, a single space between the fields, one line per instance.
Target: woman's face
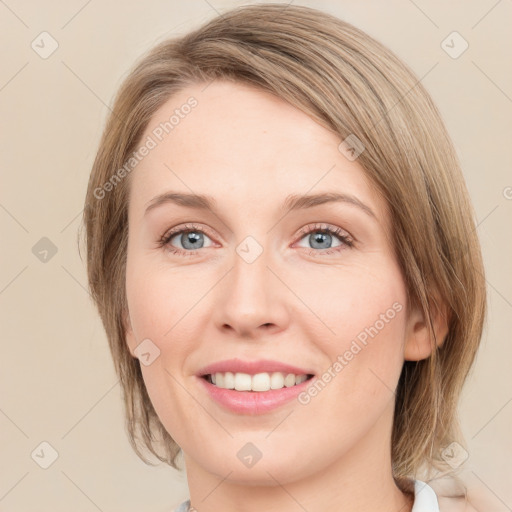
pixel 315 287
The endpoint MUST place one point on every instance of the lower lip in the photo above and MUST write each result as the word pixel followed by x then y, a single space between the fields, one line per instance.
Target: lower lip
pixel 253 402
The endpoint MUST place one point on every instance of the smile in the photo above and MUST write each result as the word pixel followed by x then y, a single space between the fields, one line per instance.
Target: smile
pixel 249 401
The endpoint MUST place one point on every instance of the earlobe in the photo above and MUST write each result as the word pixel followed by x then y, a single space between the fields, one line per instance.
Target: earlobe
pixel 419 344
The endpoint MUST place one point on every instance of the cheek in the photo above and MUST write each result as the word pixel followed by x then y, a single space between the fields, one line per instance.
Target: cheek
pixel 347 301
pixel 363 320
pixel 158 298
pixel 158 305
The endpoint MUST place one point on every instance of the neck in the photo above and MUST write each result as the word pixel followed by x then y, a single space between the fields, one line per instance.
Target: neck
pixel 359 481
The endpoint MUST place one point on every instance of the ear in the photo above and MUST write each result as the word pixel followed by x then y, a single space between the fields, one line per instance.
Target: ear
pixel 419 343
pixel 130 339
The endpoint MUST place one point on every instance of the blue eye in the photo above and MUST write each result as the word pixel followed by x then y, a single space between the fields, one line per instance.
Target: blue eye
pixel 190 239
pixel 322 237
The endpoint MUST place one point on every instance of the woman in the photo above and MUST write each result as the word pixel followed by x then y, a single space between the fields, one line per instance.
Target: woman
pixel 281 247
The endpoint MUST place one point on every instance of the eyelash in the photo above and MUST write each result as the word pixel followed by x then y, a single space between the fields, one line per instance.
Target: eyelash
pixel 347 241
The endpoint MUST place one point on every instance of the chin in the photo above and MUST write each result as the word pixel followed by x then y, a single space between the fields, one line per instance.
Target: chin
pixel 275 468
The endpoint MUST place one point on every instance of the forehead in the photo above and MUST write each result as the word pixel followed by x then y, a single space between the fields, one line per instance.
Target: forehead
pixel 243 146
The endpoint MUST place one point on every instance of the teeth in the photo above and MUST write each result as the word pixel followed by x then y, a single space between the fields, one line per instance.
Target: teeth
pixel 258 382
pixel 229 380
pixel 242 382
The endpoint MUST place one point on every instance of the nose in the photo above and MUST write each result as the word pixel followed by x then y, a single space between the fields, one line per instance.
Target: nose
pixel 251 301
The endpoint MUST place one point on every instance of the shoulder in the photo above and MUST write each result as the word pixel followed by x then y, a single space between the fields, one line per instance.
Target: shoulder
pixel 459 504
pixel 183 506
pixel 460 494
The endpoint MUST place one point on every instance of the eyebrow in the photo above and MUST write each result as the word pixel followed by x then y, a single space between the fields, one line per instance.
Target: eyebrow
pixel 298 202
pixel 292 202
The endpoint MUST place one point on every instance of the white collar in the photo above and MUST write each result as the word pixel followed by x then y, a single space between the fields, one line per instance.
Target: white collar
pixel 425 499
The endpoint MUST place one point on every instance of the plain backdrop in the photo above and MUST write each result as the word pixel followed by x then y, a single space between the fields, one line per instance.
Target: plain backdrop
pixel 57 383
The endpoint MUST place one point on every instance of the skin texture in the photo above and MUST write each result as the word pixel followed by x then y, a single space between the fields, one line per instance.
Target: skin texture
pixel 250 150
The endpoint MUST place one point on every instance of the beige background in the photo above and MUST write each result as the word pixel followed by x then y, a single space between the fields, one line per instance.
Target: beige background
pixel 56 376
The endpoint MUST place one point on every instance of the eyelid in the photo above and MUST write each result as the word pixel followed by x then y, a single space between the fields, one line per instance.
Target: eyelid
pixel 322 226
pixel 189 226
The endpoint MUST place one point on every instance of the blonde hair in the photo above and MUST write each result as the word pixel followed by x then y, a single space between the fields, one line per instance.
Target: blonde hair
pixel 352 85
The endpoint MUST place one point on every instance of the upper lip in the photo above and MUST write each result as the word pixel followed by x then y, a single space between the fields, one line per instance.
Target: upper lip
pixel 251 367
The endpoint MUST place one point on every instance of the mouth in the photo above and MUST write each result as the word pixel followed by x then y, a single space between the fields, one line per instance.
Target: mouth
pixel 253 387
pixel 247 394
pixel 259 382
